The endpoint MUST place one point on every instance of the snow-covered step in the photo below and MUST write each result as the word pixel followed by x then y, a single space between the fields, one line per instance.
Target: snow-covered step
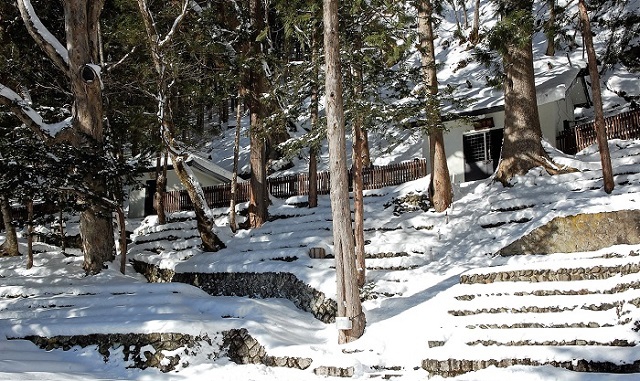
pixel 578 318
pixel 543 304
pixel 452 360
pixel 567 270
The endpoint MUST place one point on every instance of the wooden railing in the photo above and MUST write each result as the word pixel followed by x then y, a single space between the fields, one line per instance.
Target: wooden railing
pixel 298 185
pixel 622 126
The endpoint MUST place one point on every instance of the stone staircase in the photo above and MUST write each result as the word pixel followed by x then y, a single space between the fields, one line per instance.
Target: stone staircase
pixel 579 313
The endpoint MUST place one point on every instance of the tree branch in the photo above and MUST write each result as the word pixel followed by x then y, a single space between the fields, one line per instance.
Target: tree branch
pixel 43 38
pixel 30 117
pixel 176 23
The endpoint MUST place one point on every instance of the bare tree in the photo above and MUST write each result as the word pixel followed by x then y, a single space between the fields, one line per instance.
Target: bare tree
pixel 550 28
pixel 157 45
pixel 313 149
pixel 601 133
pixel 474 36
pixel 440 190
pixel 348 294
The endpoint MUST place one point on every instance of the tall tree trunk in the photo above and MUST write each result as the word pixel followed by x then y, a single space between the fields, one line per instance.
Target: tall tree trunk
pixel 463 8
pixel 258 195
pixel 522 148
pixel 348 296
pixel 82 19
pixel 358 165
pixel 601 133
pixel 550 28
pixel 474 37
pixel 9 247
pixel 161 187
pixel 29 233
pixel 440 190
pixel 234 177
pixel 313 150
pixel 63 241
pixel 204 217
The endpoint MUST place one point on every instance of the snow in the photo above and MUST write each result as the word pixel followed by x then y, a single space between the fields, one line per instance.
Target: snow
pixel 413 293
pixel 55 298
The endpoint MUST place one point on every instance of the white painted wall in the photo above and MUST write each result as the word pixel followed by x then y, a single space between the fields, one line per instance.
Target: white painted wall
pixel 137 196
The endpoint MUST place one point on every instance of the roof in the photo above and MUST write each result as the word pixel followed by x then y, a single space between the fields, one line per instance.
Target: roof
pixel 550 87
pixel 201 164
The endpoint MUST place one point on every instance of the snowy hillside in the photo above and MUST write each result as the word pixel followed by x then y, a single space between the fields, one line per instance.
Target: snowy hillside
pixel 416 261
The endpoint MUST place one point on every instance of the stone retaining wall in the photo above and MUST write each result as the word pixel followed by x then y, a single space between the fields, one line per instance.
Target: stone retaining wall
pixel 582 232
pixel 237 344
pixel 452 367
pixel 254 285
pixel 136 347
pixel 547 275
pixel 265 285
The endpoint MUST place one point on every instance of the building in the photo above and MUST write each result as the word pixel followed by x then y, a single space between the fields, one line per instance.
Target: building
pixel 473 140
pixel 208 173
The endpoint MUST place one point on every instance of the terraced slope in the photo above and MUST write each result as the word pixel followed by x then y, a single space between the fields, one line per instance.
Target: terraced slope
pixel 580 314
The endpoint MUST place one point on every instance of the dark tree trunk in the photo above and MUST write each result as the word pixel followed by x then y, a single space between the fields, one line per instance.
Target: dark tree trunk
pixel 234 178
pixel 313 150
pixel 9 247
pixel 258 195
pixel 82 19
pixel 550 29
pixel 440 190
pixel 29 234
pixel 161 187
pixel 474 37
pixel 601 133
pixel 348 296
pixel 358 166
pixel 522 148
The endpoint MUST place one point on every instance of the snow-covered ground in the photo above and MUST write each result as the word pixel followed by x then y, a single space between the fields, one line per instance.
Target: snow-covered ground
pixel 414 291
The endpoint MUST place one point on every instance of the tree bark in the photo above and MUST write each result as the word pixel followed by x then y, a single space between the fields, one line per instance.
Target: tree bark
pixel 550 29
pixel 474 36
pixel 440 189
pixel 210 241
pixel 161 187
pixel 522 148
pixel 29 234
pixel 358 165
pixel 258 195
pixel 82 19
pixel 9 247
pixel 601 133
pixel 234 177
pixel 348 296
pixel 313 105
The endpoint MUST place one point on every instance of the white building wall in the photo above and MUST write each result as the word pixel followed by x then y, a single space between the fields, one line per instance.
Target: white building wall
pixel 137 196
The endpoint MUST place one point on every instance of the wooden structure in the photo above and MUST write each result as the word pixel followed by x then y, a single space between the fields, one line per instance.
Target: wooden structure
pixel 622 126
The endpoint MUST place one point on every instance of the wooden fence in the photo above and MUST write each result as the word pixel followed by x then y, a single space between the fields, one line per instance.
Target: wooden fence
pixel 298 185
pixel 622 126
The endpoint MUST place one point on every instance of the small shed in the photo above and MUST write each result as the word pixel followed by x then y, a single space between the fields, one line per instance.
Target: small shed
pixel 473 141
pixel 207 172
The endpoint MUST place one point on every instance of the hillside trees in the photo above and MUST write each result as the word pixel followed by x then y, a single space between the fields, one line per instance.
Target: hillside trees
pixel 77 61
pixel 159 45
pixel 348 295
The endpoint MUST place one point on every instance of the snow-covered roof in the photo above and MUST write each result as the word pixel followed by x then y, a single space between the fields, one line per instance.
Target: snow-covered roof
pixel 552 84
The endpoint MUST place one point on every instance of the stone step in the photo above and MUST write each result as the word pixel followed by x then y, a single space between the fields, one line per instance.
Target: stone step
pixel 612 285
pixel 618 335
pixel 578 318
pixel 569 270
pixel 452 361
pixel 545 304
